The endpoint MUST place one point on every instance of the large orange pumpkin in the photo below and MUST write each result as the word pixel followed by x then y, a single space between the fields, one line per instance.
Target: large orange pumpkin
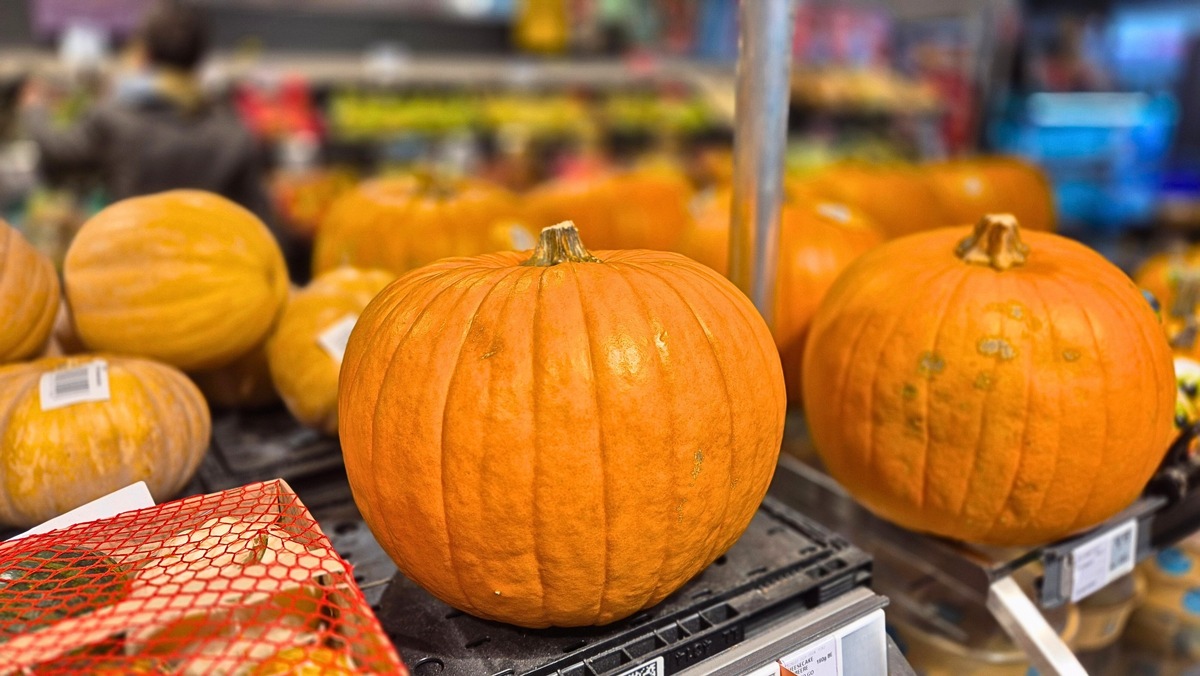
pixel 642 208
pixel 977 387
pixel 28 296
pixel 304 366
pixel 153 427
pixel 185 277
pixel 899 199
pixel 560 439
pixel 817 240
pixel 402 222
pixel 967 188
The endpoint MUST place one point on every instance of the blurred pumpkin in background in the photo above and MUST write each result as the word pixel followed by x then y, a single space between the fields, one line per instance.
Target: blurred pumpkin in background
pixel 402 222
pixel 152 426
pixel 185 277
pixel 818 238
pixel 968 188
pixel 641 208
pixel 29 296
pixel 898 198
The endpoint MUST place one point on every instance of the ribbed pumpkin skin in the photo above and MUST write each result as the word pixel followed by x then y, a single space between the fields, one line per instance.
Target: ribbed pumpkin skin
pixel 185 277
pixel 402 222
pixel 29 296
pixel 155 428
pixel 817 240
pixel 1002 407
pixel 643 208
pixel 559 445
pixel 304 373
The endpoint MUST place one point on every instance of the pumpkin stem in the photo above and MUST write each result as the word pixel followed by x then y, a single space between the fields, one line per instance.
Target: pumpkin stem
pixel 995 242
pixel 559 244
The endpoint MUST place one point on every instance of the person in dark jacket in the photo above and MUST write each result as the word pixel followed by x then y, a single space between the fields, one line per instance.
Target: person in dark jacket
pixel 157 131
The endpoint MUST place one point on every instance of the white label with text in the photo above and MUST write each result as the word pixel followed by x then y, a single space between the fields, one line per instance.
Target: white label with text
pixel 74 385
pixel 1102 560
pixel 813 660
pixel 334 338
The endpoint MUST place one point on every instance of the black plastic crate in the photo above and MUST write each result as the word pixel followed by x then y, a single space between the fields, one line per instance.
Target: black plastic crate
pixel 783 564
pixel 249 446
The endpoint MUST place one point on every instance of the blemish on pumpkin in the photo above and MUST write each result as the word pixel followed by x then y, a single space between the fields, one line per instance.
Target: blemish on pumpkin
pixel 1071 355
pixel 909 391
pixel 1016 311
pixel 995 346
pixel 930 364
pixel 679 509
pixel 490 353
pixel 697 464
pixel 916 423
pixel 984 381
pixel 660 340
pixel 497 592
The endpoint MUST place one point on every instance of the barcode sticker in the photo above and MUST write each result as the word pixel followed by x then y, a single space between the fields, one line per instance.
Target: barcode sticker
pixel 74 385
pixel 1102 560
pixel 813 660
pixel 654 668
pixel 334 338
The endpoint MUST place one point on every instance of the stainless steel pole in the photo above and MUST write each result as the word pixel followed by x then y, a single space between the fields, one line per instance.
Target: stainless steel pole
pixel 760 139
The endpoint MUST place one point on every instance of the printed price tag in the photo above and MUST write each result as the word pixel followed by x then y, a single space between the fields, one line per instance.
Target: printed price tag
pixel 813 660
pixel 771 669
pixel 74 385
pixel 655 668
pixel 1102 560
pixel 333 339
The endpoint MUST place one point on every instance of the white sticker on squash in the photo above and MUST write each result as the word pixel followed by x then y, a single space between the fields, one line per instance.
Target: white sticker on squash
pixel 335 336
pixel 74 385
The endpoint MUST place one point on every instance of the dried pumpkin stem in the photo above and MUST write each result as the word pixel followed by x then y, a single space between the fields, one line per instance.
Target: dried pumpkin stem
pixel 559 244
pixel 996 242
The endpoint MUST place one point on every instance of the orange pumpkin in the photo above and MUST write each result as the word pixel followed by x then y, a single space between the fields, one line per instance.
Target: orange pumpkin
pixel 562 438
pixel 817 240
pixel 642 208
pixel 403 222
pixel 899 199
pixel 303 364
pixel 28 296
pixel 967 189
pixel 1162 273
pixel 152 427
pixel 185 277
pixel 974 386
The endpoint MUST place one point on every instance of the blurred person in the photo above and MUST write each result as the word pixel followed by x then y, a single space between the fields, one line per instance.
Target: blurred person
pixel 156 130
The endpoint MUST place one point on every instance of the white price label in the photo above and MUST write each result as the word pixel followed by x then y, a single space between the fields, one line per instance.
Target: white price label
pixel 334 338
pixel 1102 560
pixel 654 668
pixel 74 385
pixel 820 659
pixel 771 669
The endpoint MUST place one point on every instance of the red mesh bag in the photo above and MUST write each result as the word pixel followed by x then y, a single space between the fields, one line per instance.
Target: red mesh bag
pixel 241 583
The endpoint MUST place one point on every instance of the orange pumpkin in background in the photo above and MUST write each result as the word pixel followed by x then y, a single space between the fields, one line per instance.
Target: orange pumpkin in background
pixel 640 208
pixel 966 189
pixel 29 296
pixel 185 277
pixel 152 427
pixel 243 384
pixel 403 222
pixel 1162 273
pixel 899 198
pixel 563 438
pixel 817 240
pixel 303 364
pixel 984 388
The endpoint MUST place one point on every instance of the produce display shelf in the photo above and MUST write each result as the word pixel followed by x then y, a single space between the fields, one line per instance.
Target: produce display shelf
pixel 1166 513
pixel 787 583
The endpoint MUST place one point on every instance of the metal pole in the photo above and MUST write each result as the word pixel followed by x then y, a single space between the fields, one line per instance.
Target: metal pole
pixel 760 139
